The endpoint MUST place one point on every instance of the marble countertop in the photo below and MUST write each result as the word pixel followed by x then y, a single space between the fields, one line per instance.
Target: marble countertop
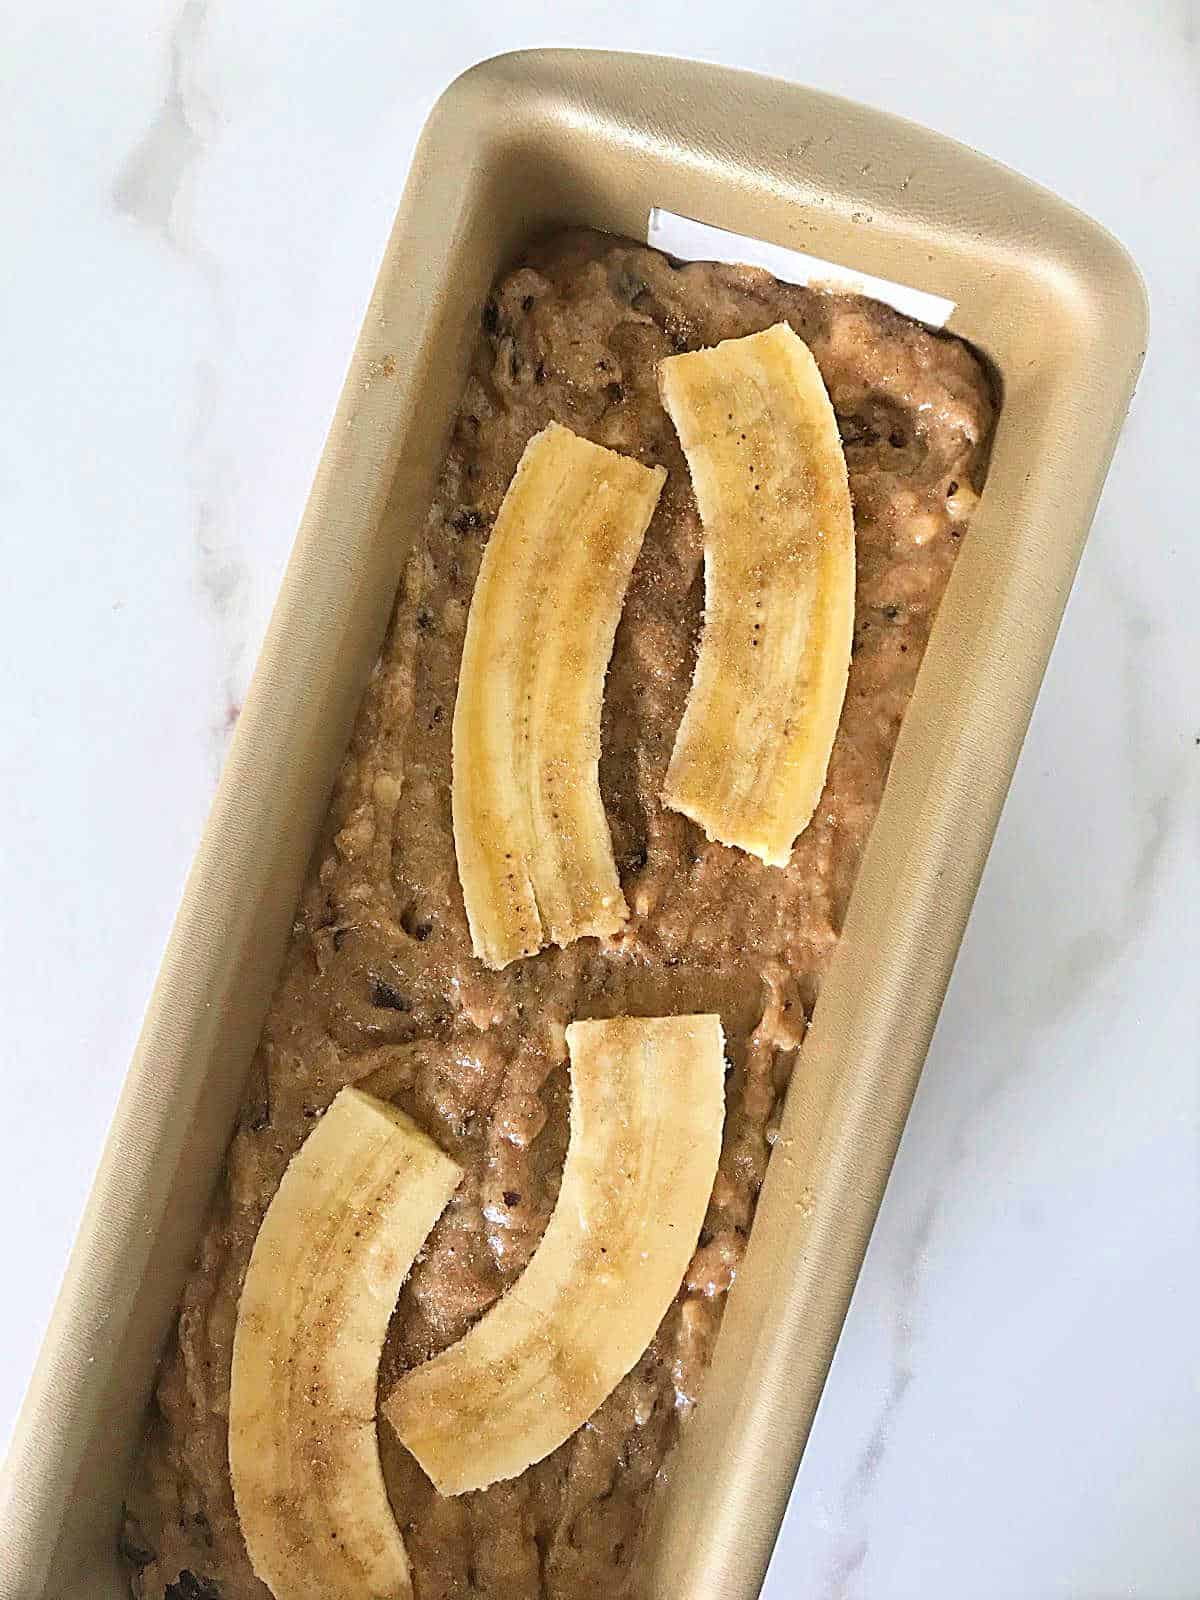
pixel 196 200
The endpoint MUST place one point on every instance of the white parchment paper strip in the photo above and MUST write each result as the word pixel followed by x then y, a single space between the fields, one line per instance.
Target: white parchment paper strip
pixel 700 241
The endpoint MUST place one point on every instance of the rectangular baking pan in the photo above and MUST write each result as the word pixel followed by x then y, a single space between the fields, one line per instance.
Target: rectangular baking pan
pixel 518 144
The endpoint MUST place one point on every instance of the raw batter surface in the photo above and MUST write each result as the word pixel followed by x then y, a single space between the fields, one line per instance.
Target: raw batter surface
pixel 379 971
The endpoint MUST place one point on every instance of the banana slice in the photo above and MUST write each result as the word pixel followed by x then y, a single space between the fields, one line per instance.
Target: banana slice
pixel 534 852
pixel 769 476
pixel 354 1207
pixel 647 1106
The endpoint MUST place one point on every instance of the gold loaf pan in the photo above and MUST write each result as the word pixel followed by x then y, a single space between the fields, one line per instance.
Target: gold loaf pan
pixel 518 144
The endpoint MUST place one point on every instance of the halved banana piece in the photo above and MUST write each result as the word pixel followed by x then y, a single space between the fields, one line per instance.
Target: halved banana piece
pixel 647 1107
pixel 534 852
pixel 354 1207
pixel 769 476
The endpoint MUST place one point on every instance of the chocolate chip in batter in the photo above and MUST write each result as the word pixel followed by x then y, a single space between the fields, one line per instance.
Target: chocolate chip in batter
pixel 855 430
pixel 132 1551
pixel 189 1587
pixel 415 926
pixel 627 285
pixel 386 997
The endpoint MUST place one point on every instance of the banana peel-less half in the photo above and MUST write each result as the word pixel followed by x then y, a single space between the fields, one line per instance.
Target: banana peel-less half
pixel 769 476
pixel 647 1108
pixel 355 1205
pixel 534 852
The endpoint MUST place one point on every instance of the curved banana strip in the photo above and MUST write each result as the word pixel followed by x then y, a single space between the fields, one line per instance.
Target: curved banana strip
pixel 534 852
pixel 769 476
pixel 354 1207
pixel 647 1106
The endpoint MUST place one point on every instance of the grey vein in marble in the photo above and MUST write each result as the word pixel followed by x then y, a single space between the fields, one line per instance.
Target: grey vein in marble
pixel 153 189
pixel 150 185
pixel 1081 967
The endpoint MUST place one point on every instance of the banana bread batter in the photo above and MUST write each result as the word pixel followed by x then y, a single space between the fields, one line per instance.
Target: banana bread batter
pixel 379 976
